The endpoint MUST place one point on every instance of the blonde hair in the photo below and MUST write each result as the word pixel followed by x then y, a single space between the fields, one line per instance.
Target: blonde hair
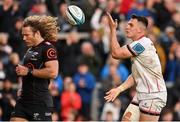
pixel 46 25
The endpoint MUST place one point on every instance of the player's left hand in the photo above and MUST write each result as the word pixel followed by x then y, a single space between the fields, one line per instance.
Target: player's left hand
pixel 112 94
pixel 21 70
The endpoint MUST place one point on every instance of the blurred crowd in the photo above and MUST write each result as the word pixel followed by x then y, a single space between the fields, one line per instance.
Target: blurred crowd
pixel 86 69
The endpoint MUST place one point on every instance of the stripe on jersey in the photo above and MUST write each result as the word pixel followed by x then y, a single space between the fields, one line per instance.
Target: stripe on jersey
pixel 131 51
pixel 134 103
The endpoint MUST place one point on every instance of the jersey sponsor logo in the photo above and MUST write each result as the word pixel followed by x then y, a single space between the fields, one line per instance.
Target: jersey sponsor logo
pixel 48 114
pixel 34 55
pixel 13 113
pixel 51 53
pixel 138 48
pixel 36 116
pixel 145 105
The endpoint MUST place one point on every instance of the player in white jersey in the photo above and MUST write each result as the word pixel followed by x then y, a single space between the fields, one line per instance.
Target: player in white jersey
pixel 151 93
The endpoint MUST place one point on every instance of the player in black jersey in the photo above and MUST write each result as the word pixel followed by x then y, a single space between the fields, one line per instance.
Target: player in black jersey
pixel 39 67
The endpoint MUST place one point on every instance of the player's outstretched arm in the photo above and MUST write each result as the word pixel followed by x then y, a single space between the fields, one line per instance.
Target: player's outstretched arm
pixel 113 93
pixel 117 51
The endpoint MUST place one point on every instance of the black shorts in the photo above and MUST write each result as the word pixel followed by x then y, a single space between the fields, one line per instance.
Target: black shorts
pixel 32 112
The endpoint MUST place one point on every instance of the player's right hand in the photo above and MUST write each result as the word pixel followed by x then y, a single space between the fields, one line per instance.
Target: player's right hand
pixel 112 94
pixel 112 24
pixel 21 70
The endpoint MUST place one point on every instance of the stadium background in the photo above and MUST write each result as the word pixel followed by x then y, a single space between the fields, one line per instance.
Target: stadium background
pixel 86 69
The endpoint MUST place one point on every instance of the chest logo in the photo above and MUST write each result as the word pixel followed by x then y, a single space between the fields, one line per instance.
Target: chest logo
pixel 30 65
pixel 34 56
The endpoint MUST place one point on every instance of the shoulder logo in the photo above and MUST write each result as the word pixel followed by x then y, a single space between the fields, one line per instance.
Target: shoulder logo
pixel 138 48
pixel 51 53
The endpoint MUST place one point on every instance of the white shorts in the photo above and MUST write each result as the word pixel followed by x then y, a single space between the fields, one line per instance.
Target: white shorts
pixel 150 103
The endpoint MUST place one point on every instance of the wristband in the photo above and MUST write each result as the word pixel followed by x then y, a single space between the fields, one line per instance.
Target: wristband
pixel 30 71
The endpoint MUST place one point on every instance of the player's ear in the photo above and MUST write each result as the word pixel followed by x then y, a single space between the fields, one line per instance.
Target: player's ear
pixel 139 29
pixel 38 33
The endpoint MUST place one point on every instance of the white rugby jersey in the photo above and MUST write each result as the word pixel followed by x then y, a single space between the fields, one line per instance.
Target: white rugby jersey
pixel 146 67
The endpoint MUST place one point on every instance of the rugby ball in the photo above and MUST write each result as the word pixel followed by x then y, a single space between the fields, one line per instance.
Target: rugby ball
pixel 75 15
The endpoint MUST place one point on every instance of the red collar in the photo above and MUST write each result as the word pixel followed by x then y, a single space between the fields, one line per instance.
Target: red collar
pixel 139 38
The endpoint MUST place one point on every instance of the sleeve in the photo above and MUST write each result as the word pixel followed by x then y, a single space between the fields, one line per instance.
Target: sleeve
pixel 136 48
pixel 50 53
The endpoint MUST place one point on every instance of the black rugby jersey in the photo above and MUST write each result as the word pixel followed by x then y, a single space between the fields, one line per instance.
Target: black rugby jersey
pixel 34 89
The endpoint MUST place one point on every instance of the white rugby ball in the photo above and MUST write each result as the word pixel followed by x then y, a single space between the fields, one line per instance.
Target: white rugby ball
pixel 75 15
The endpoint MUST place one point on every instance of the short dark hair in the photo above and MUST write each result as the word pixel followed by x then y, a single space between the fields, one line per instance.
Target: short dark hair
pixel 141 19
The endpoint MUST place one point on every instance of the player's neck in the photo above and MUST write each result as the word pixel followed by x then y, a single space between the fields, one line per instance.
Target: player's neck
pixel 39 41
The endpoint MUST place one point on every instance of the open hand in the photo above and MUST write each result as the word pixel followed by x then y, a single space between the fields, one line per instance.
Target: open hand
pixel 112 94
pixel 112 24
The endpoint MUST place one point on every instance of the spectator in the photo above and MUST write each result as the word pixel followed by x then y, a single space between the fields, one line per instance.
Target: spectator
pixel 55 117
pixel 163 12
pixel 96 40
pixel 108 116
pixel 2 72
pixel 1 113
pixel 58 81
pixel 138 9
pixel 99 22
pixel 7 15
pixel 11 66
pixel 173 64
pixel 167 39
pixel 66 81
pixel 122 71
pixel 174 73
pixel 125 6
pixel 7 102
pixel 85 82
pixel 88 7
pixel 64 25
pixel 160 51
pixel 110 80
pixel 55 95
pixel 39 8
pixel 114 107
pixel 167 115
pixel 91 58
pixel 68 51
pixel 5 49
pixel 177 111
pixel 70 101
pixel 15 38
pixel 175 23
